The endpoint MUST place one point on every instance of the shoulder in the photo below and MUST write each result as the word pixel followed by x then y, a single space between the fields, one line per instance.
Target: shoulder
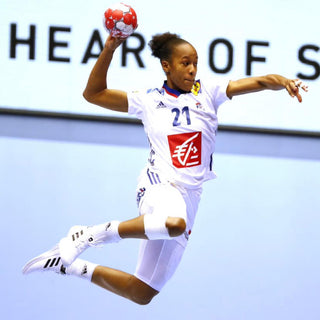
pixel 214 90
pixel 145 92
pixel 140 100
pixel 213 83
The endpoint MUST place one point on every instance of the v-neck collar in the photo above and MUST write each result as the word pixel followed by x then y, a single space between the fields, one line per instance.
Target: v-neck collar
pixel 172 92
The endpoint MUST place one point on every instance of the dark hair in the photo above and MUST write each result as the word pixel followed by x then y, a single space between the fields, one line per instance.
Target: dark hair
pixel 162 45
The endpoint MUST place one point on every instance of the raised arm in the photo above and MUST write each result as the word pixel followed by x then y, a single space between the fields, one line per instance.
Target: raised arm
pixel 271 82
pixel 96 91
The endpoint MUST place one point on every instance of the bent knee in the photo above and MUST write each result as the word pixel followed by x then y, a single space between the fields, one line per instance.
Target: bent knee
pixel 142 300
pixel 139 292
pixel 176 226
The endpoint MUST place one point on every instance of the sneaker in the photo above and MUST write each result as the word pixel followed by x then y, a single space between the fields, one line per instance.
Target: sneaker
pixel 80 238
pixel 47 261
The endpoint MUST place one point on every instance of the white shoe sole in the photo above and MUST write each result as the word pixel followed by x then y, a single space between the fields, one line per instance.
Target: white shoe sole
pixel 54 252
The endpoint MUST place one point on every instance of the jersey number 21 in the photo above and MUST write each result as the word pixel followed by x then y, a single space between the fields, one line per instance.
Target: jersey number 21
pixel 185 112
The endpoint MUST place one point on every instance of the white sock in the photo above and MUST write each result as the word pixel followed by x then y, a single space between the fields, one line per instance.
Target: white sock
pixel 81 268
pixel 106 232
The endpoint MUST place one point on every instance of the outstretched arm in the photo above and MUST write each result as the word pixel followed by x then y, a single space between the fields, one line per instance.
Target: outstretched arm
pixel 271 82
pixel 96 90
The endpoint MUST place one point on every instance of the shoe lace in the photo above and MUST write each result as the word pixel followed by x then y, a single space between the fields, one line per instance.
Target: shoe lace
pixel 87 240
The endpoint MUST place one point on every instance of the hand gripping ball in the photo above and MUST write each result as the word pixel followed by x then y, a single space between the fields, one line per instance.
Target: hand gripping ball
pixel 120 20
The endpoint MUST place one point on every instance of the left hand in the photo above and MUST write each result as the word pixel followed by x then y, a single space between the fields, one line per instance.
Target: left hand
pixel 113 43
pixel 293 87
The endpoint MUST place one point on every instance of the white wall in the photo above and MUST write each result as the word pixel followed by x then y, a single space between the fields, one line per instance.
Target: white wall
pixel 48 73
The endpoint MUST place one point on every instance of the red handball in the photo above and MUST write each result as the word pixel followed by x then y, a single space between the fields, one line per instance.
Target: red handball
pixel 120 20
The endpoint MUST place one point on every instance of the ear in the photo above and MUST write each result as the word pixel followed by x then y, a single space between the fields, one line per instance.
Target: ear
pixel 165 66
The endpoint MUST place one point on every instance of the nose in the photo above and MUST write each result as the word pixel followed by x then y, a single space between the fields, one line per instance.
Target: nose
pixel 193 69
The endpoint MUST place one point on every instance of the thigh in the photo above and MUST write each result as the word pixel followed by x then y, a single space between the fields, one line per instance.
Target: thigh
pixel 158 261
pixel 163 199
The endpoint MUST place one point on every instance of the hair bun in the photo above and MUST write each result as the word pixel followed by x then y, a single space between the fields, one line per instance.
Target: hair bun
pixel 161 44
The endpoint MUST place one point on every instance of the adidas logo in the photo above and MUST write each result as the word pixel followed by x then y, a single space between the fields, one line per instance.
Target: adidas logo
pixel 77 235
pixel 54 262
pixel 161 105
pixel 84 270
pixel 51 263
pixel 108 226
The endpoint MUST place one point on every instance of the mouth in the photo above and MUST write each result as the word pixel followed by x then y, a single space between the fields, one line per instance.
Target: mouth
pixel 189 83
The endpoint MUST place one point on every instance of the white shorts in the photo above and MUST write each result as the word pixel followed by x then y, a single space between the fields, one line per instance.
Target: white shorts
pixel 158 259
pixel 157 262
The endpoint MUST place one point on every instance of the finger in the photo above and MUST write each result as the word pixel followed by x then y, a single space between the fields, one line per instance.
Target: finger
pixel 298 95
pixel 299 84
pixel 293 89
pixel 113 42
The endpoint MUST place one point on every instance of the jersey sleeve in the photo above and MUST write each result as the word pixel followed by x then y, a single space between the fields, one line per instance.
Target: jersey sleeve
pixel 136 104
pixel 217 89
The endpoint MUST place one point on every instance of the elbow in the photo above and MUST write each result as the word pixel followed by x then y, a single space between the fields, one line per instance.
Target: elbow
pixel 90 97
pixel 87 96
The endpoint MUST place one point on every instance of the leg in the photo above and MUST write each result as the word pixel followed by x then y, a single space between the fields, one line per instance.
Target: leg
pixel 118 282
pixel 135 228
pixel 163 216
pixel 157 262
pixel 123 284
pixel 158 259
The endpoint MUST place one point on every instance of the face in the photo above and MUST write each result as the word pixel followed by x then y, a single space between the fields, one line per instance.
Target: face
pixel 181 70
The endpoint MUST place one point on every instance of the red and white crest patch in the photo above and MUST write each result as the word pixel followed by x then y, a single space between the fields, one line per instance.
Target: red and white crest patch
pixel 185 149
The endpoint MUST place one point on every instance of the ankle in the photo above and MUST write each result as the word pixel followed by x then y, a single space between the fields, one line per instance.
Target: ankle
pixel 82 269
pixel 106 232
pixel 113 229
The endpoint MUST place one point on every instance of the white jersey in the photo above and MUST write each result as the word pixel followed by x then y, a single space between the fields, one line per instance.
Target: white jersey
pixel 181 129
